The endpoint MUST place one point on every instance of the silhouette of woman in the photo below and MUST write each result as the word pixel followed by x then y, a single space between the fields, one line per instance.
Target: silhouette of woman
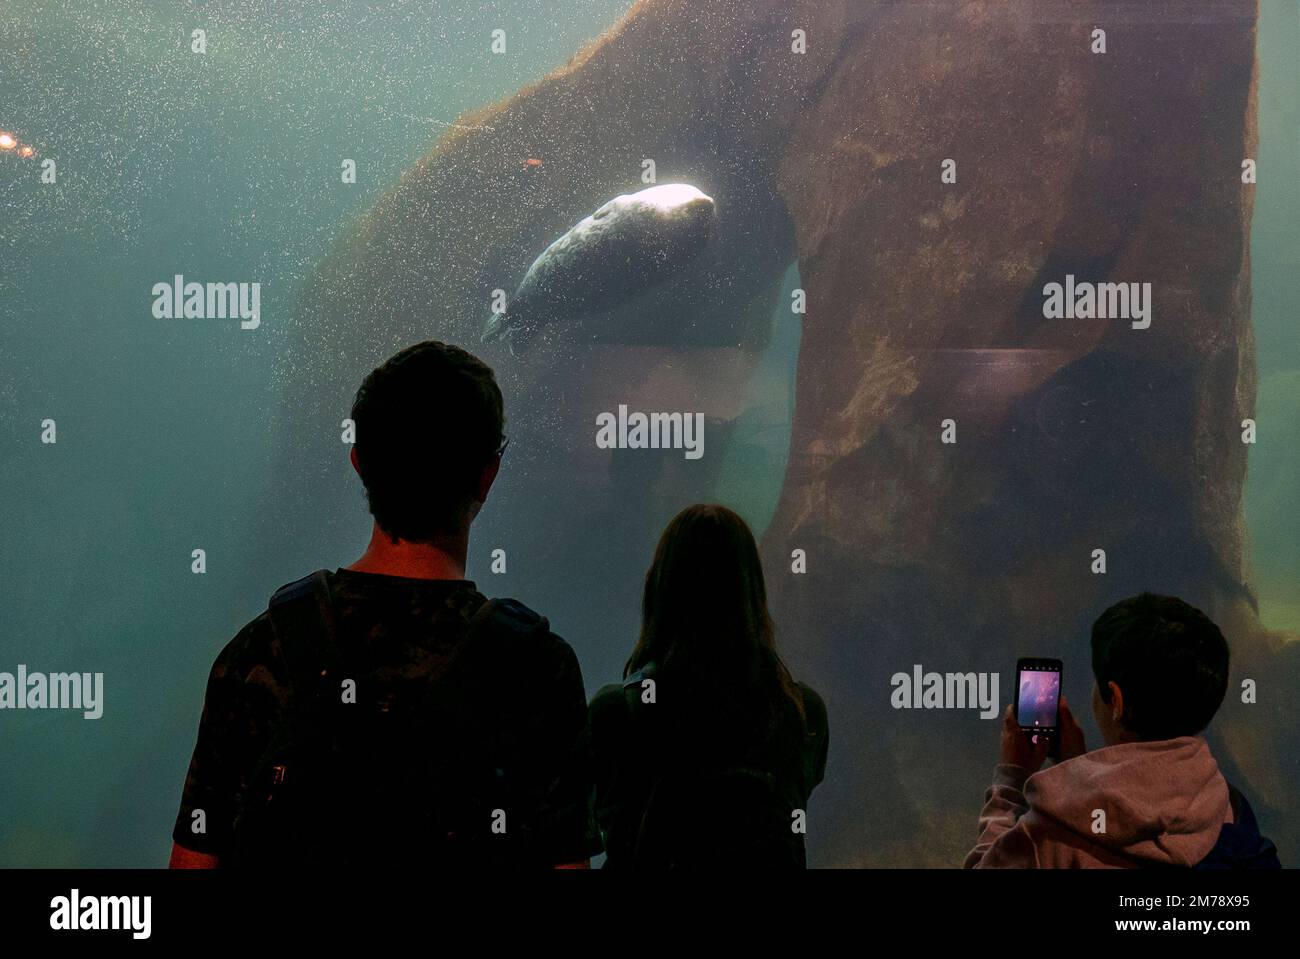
pixel 706 754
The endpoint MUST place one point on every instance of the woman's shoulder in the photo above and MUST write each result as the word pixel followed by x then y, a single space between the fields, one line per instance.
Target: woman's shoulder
pixel 616 698
pixel 814 707
pixel 609 708
pixel 608 697
pixel 609 722
pixel 816 738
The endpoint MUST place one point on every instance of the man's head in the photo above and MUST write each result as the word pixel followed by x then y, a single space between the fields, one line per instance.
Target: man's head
pixel 429 434
pixel 1161 669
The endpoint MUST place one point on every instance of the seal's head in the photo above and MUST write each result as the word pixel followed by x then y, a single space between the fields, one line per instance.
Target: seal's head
pixel 681 204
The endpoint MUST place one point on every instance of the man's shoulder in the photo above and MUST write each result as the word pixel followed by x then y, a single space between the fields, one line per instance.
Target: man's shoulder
pixel 247 677
pixel 255 647
pixel 512 617
pixel 252 647
pixel 531 645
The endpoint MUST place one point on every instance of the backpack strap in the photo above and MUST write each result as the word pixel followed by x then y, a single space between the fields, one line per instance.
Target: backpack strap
pixel 302 616
pixel 644 731
pixel 632 686
pixel 507 616
pixel 497 619
pixel 648 848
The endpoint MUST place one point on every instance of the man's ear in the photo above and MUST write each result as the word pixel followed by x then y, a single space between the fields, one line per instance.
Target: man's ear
pixel 353 457
pixel 487 478
pixel 1116 703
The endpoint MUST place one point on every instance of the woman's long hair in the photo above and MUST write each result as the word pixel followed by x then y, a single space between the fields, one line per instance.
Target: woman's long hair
pixel 706 628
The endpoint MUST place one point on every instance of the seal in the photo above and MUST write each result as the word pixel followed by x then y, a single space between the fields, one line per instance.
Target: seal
pixel 633 242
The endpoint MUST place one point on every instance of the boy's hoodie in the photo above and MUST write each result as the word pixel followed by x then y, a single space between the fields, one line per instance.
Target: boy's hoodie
pixel 1165 803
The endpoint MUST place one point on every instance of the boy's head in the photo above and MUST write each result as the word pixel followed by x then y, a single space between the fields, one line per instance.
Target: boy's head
pixel 1161 669
pixel 429 435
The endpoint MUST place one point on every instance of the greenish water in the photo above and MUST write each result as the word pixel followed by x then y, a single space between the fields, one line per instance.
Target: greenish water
pixel 226 167
pixel 1272 497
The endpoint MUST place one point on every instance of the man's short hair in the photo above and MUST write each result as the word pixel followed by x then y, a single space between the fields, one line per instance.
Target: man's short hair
pixel 428 422
pixel 1168 658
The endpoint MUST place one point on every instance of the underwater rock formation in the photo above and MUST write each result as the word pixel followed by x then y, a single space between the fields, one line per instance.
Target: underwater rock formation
pixel 924 304
pixel 1072 435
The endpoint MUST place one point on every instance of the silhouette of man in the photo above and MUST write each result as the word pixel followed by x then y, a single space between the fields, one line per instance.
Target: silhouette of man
pixel 388 711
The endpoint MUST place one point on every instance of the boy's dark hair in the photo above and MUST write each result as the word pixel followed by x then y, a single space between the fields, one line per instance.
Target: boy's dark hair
pixel 427 423
pixel 1170 660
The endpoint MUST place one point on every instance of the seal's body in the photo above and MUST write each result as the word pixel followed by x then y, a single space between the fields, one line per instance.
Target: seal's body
pixel 631 243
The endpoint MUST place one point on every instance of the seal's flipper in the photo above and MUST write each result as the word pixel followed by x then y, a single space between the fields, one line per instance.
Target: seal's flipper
pixel 495 329
pixel 520 335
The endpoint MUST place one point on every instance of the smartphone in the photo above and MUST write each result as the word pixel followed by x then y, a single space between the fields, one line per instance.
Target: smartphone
pixel 1038 697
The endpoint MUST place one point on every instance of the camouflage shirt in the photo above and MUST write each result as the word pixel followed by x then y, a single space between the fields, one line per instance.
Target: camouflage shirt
pixel 392 635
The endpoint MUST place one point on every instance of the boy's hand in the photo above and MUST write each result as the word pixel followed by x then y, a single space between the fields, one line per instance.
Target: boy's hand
pixel 1017 749
pixel 1072 743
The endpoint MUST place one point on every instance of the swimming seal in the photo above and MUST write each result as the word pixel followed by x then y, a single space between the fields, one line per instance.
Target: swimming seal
pixel 630 244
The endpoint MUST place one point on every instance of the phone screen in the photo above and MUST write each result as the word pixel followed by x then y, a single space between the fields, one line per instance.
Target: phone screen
pixel 1039 696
